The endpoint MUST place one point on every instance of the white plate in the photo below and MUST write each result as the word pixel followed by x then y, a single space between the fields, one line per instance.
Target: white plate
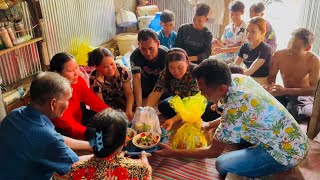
pixel 155 137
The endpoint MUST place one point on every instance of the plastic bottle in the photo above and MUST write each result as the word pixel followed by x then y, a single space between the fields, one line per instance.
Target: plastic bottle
pixel 21 39
pixel 17 94
pixel 5 38
pixel 10 32
pixel 20 27
pixel 155 23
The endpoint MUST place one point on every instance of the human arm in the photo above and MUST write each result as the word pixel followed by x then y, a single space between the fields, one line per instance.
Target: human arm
pixel 129 99
pixel 78 146
pixel 137 91
pixel 154 97
pixel 238 61
pixel 273 70
pixel 254 67
pixel 126 83
pixel 233 49
pixel 55 155
pixel 169 122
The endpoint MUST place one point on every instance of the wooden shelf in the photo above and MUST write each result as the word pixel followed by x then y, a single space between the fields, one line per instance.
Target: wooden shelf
pixel 4 51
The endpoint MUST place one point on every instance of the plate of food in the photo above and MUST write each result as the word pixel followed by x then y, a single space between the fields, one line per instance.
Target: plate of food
pixel 146 140
pixel 133 150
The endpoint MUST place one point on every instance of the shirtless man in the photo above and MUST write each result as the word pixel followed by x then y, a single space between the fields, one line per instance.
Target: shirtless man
pixel 299 69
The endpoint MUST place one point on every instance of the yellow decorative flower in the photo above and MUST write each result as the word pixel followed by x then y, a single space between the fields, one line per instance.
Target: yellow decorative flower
pixel 272 103
pixel 254 102
pixel 244 108
pixel 286 146
pixel 244 127
pixel 245 96
pixel 289 130
pixel 253 122
pixel 232 111
pixel 246 137
pixel 276 132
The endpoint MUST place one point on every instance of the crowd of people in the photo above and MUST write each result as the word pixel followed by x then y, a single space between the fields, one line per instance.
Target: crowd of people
pixel 67 118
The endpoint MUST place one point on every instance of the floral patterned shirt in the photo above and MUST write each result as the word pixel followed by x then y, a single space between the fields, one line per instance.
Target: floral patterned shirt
pixel 115 167
pixel 252 114
pixel 112 91
pixel 232 38
pixel 185 87
pixel 270 37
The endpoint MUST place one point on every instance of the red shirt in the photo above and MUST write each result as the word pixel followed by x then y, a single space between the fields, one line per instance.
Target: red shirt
pixel 70 121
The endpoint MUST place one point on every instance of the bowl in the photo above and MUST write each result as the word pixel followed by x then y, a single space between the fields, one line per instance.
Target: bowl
pixel 130 134
pixel 146 140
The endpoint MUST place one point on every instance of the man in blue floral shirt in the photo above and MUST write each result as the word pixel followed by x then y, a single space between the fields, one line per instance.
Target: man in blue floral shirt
pixel 251 116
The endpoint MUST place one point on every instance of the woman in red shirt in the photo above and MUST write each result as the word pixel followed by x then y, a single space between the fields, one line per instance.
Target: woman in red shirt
pixel 70 123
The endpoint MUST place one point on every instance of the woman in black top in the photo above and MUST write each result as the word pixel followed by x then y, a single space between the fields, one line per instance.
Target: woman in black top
pixel 255 54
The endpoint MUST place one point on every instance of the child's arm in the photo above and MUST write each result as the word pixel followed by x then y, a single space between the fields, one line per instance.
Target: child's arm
pixel 238 61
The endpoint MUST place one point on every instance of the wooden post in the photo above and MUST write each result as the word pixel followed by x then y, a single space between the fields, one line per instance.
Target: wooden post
pixel 314 124
pixel 226 17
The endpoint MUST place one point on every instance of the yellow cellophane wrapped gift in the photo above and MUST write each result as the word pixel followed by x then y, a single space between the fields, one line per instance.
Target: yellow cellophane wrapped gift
pixel 190 109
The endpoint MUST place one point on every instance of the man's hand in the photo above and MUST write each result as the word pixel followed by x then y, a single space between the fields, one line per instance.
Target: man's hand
pixel 168 124
pixel 165 150
pixel 277 90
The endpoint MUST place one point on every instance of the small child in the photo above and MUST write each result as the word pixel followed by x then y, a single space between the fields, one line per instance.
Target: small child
pixel 195 38
pixel 166 35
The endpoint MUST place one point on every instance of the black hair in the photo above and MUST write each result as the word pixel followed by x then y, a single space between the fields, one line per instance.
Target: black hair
pixel 236 69
pixel 214 72
pixel 167 16
pixel 147 33
pixel 95 57
pixel 174 54
pixel 304 34
pixel 258 7
pixel 237 6
pixel 202 9
pixel 57 62
pixel 47 86
pixel 113 126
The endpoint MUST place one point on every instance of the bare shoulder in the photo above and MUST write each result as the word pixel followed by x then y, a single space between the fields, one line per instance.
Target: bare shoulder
pixel 280 55
pixel 312 58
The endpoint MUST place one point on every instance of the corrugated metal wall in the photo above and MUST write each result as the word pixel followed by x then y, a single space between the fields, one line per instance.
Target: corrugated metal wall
pixel 310 19
pixel 183 13
pixel 68 20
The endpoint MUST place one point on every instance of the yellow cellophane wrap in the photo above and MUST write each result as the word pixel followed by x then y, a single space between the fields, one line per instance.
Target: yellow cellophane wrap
pixel 80 51
pixel 190 109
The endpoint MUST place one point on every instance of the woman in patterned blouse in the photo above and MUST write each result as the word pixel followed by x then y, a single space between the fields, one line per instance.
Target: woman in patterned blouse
pixel 106 134
pixel 176 79
pixel 111 81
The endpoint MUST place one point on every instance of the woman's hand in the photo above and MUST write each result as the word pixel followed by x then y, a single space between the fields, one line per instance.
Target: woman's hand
pixel 130 114
pixel 165 150
pixel 168 124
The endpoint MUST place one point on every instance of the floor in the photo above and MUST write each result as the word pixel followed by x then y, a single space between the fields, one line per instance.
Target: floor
pixel 309 169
